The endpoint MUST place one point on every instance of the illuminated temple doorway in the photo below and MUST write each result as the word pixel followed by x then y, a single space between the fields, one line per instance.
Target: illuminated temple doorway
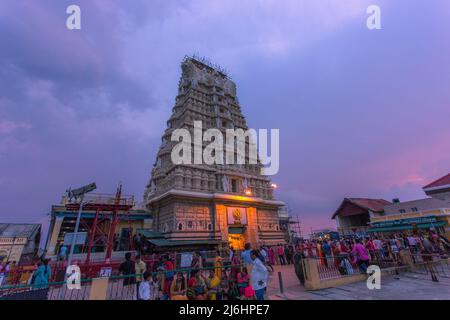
pixel 236 238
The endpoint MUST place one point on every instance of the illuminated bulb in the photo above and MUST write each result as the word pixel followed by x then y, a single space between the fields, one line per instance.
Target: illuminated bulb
pixel 248 192
pixel 274 185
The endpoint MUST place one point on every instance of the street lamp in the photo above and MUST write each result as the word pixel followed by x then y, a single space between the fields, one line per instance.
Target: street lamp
pixel 78 195
pixel 274 185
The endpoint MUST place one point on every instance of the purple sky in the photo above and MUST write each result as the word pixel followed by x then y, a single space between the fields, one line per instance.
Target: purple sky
pixel 361 113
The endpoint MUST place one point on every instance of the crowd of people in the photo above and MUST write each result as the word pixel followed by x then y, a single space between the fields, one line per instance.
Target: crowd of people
pixel 231 274
pixel 39 279
pixel 347 254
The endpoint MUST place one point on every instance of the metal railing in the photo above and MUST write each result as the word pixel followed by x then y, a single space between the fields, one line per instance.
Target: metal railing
pixel 336 266
pixel 120 287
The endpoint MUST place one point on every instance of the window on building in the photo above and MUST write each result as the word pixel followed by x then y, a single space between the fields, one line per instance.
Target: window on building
pixel 414 209
pixel 234 185
pixel 209 226
pixel 402 211
pixel 190 224
pixel 180 226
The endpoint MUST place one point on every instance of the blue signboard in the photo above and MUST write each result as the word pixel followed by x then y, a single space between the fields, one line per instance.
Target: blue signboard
pixel 400 222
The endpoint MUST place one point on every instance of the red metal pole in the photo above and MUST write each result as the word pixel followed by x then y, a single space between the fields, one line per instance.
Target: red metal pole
pixel 130 233
pixel 92 232
pixel 112 230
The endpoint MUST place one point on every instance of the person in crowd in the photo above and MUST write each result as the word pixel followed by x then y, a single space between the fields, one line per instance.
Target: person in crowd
pixel 11 271
pixel 212 283
pixel 156 284
pixel 42 275
pixel 144 291
pixel 235 266
pixel 345 267
pixel 218 265
pixel 427 255
pixel 233 291
pixel 378 244
pixel 243 280
pixel 63 253
pixel 127 269
pixel 6 272
pixel 291 252
pixel 370 246
pixel 140 267
pixel 299 256
pixel 178 288
pixel 394 248
pixel 271 256
pixel 249 293
pixel 2 273
pixel 321 255
pixel 326 249
pixel 197 261
pixel 264 257
pixel 281 256
pixel 335 249
pixel 168 267
pixel 231 253
pixel 361 254
pixel 259 276
pixel 222 293
pixel 287 254
pixel 245 255
pixel 309 250
pixel 197 286
pixel 41 279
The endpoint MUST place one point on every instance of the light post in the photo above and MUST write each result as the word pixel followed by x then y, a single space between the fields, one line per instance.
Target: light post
pixel 75 232
pixel 78 194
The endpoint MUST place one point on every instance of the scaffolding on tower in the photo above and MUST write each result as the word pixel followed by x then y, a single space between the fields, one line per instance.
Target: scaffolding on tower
pixel 109 210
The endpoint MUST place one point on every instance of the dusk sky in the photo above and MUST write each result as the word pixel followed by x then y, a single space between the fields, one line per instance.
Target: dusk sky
pixel 361 113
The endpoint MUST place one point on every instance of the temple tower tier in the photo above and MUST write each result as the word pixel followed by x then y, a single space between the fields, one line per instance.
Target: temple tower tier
pixel 222 203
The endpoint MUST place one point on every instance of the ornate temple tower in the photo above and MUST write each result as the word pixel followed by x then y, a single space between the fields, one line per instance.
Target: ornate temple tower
pixel 212 203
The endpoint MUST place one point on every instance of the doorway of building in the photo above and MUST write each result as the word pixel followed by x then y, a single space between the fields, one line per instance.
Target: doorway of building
pixel 236 241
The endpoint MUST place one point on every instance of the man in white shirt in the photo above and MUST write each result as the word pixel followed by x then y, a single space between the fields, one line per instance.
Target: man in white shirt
pixel 259 276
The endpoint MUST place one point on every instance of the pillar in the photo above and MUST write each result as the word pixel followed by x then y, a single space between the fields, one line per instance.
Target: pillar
pixel 54 235
pixel 99 289
pixel 312 278
pixel 252 227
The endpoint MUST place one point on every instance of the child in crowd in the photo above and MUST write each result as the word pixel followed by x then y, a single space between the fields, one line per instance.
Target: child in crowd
pixel 233 291
pixel 249 293
pixel 222 292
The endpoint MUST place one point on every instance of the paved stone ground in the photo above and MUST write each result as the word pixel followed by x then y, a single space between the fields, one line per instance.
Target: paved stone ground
pixel 408 285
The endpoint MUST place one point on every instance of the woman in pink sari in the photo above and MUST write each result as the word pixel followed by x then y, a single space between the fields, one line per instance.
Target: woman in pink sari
pixel 235 265
pixel 271 256
pixel 243 280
